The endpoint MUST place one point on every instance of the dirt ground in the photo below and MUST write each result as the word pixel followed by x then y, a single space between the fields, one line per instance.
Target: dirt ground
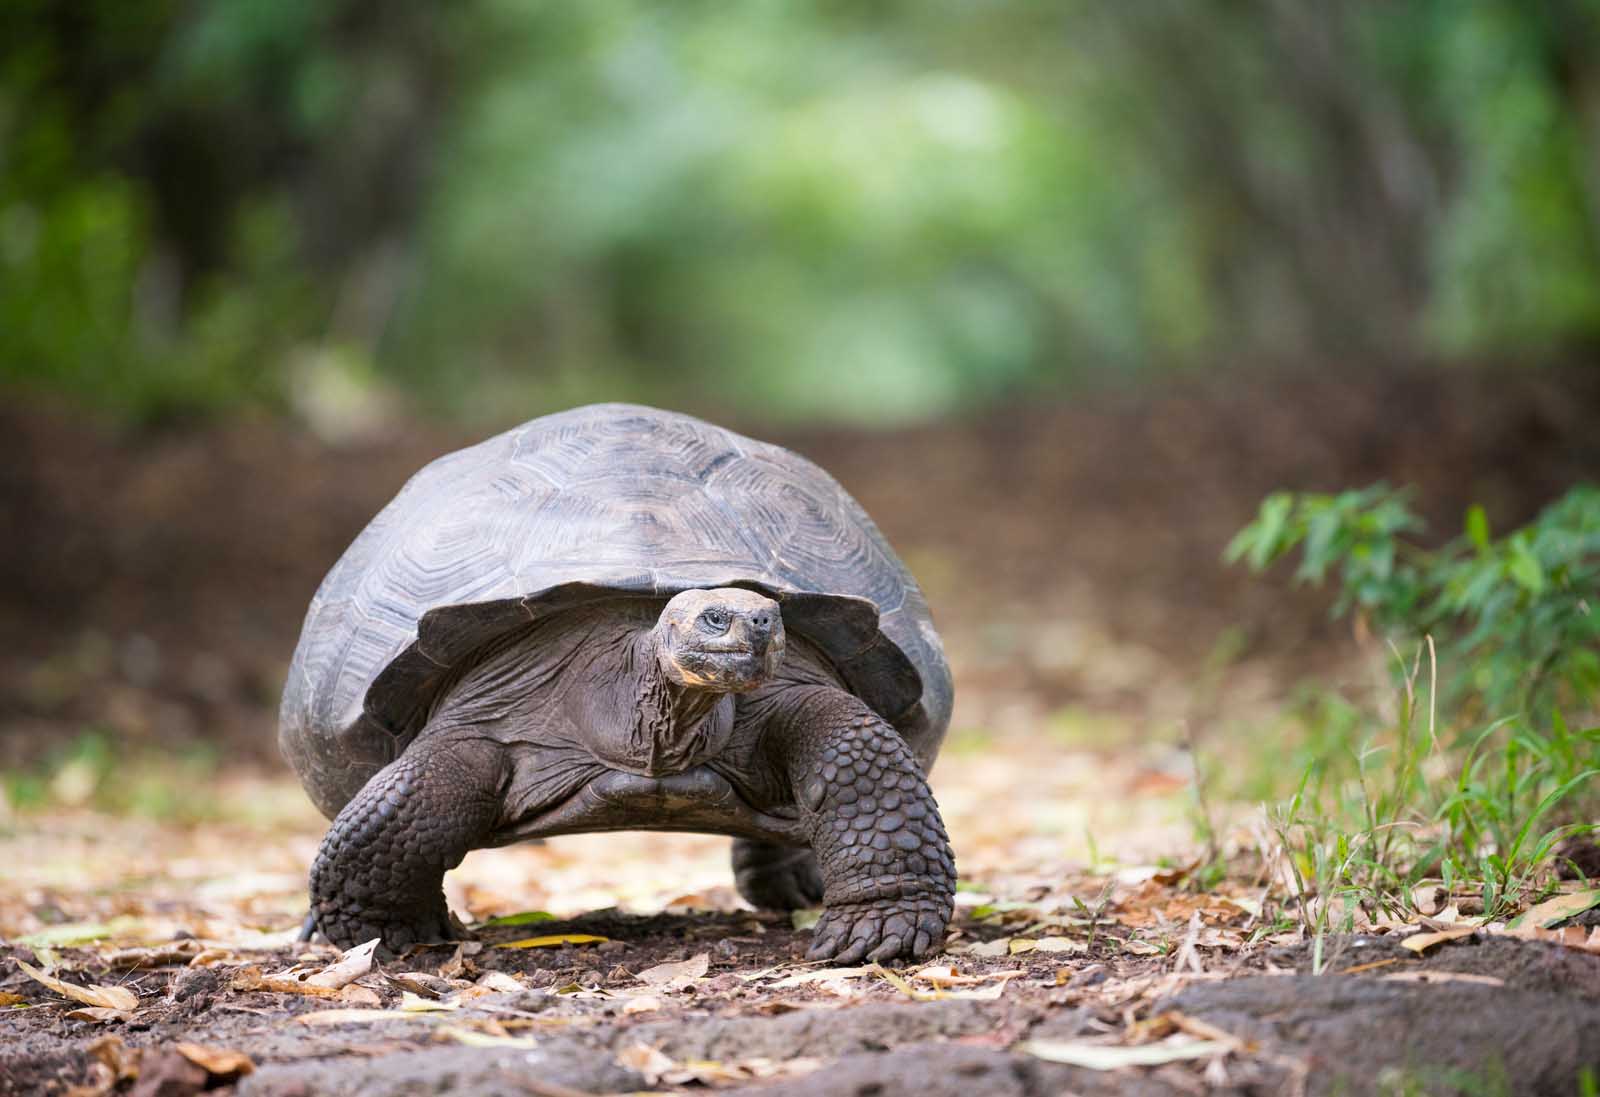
pixel 1071 554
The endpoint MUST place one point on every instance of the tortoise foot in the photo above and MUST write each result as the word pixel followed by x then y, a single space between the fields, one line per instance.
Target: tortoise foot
pixel 773 877
pixel 883 930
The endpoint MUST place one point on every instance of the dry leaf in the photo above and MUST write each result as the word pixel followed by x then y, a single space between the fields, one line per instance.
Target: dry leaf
pixel 353 1016
pixel 122 1060
pixel 1421 942
pixel 356 995
pixel 1570 936
pixel 984 994
pixel 1559 909
pixel 1429 898
pixel 1114 1057
pixel 1442 977
pixel 648 1061
pixel 500 982
pixel 120 998
pixel 943 975
pixel 98 1014
pixel 415 1003
pixel 176 952
pixel 210 956
pixel 1001 946
pixel 821 975
pixel 7 999
pixel 355 963
pixel 555 940
pixel 216 1061
pixel 677 974
pixel 719 898
pixel 420 983
pixel 251 978
pixel 1047 944
pixel 645 1003
pixel 473 1038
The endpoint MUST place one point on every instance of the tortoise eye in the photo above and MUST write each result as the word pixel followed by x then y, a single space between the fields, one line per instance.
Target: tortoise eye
pixel 714 620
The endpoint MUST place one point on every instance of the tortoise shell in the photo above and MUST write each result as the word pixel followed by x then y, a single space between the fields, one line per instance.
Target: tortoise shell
pixel 599 502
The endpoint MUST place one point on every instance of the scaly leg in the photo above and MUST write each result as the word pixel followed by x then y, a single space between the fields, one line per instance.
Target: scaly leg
pixel 888 873
pixel 380 870
pixel 775 877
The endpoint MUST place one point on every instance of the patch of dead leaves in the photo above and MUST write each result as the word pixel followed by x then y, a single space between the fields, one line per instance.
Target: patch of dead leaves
pixel 117 999
pixel 659 1068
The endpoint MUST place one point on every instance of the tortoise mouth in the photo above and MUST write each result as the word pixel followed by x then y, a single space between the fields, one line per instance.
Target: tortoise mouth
pixel 732 668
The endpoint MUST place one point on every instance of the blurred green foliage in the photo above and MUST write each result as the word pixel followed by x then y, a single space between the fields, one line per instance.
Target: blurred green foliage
pixel 860 210
pixel 1513 618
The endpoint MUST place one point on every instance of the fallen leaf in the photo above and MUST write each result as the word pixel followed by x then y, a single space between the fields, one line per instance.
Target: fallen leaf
pixel 420 983
pixel 500 982
pixel 355 963
pixel 7 999
pixel 678 974
pixel 120 998
pixel 98 1014
pixel 644 1003
pixel 357 995
pixel 415 1003
pixel 1421 942
pixel 1114 1057
pixel 521 918
pixel 1001 946
pixel 1140 948
pixel 77 933
pixel 1569 936
pixel 1046 944
pixel 175 952
pixel 474 1038
pixel 1442 977
pixel 122 1060
pixel 1548 913
pixel 1429 898
pixel 353 1016
pixel 555 940
pixel 719 898
pixel 898 981
pixel 251 978
pixel 819 975
pixel 1371 966
pixel 215 1061
pixel 648 1061
pixel 945 976
pixel 211 956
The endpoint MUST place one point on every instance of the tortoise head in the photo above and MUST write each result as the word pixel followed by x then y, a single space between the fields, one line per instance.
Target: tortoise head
pixel 726 640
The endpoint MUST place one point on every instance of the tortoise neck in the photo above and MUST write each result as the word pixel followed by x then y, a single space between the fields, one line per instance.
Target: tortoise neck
pixel 674 726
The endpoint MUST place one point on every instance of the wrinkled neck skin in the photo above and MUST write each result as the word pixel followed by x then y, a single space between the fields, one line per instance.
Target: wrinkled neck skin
pixel 671 727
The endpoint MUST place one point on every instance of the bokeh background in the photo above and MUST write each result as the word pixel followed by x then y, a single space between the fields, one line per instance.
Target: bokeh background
pixel 1058 290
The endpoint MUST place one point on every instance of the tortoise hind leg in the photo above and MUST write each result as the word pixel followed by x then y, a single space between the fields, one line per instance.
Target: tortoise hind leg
pixel 380 869
pixel 774 877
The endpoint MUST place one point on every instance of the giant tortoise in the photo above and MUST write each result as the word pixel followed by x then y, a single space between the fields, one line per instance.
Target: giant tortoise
pixel 619 618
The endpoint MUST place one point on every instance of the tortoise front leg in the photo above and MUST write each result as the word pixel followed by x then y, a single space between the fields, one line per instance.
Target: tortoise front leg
pixel 380 869
pixel 888 874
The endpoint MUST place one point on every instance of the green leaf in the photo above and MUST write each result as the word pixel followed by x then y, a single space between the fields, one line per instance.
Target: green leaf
pixel 1524 567
pixel 522 918
pixel 1478 527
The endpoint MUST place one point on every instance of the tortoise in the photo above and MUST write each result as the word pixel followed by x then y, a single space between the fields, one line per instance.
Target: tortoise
pixel 621 618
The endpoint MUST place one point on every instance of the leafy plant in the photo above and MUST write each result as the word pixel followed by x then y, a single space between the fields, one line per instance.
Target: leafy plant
pixel 1386 804
pixel 1515 614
